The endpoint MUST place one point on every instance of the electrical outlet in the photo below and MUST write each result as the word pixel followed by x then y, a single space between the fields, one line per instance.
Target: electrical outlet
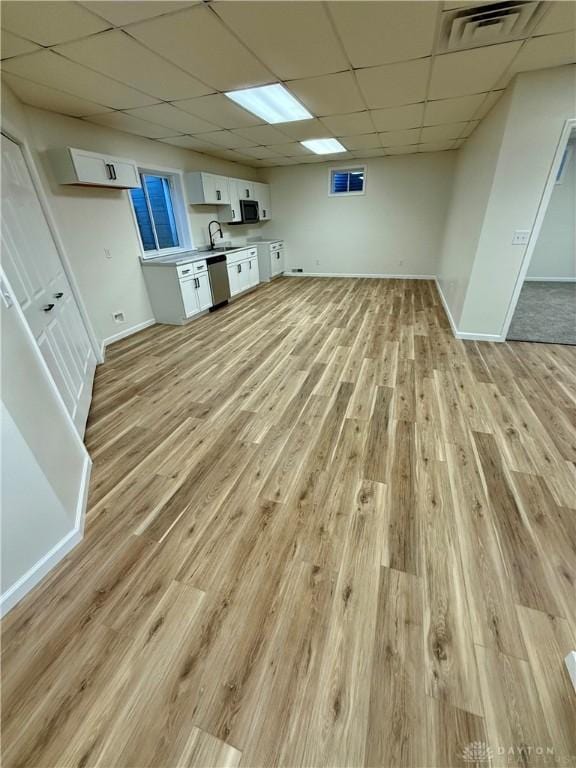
pixel 298 269
pixel 107 253
pixel 118 317
pixel 521 237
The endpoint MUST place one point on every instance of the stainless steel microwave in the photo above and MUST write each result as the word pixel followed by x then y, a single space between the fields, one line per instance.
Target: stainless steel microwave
pixel 249 211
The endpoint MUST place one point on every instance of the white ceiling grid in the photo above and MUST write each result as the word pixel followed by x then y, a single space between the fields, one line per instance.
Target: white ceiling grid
pixel 369 72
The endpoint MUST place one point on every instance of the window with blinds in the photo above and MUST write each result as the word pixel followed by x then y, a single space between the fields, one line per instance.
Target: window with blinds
pixel 347 181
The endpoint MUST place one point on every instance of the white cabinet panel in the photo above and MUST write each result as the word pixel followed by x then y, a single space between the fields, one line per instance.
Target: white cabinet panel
pixel 207 188
pixel 262 194
pixel 190 296
pixel 234 278
pixel 78 166
pixel 203 291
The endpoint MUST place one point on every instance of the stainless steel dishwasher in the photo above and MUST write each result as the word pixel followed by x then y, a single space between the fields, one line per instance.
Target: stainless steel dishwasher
pixel 218 280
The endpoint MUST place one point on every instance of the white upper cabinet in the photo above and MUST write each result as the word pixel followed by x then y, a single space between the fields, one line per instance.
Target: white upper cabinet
pixel 262 194
pixel 207 188
pixel 211 189
pixel 81 167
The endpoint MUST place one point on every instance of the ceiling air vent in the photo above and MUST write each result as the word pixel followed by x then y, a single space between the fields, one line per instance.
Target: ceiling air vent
pixel 488 24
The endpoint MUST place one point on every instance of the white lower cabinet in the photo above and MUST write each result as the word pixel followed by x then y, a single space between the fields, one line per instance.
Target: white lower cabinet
pixel 243 270
pixel 178 292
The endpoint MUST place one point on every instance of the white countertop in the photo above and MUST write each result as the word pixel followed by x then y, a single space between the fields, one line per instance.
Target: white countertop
pixel 188 257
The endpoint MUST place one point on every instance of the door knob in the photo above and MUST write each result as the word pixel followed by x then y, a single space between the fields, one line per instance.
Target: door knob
pixel 48 308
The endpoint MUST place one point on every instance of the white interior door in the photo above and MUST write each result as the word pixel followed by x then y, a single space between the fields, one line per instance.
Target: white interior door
pixel 33 266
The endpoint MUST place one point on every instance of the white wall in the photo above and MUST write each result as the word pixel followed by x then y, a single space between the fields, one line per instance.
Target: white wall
pixel 555 252
pixel 395 228
pixel 91 220
pixel 44 465
pixel 536 108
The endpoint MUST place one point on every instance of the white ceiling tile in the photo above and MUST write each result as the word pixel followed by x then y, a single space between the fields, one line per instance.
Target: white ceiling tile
pixel 349 125
pixel 198 42
pixel 293 149
pixel 560 17
pixel 49 22
pixel 410 150
pixel 220 110
pixel 381 33
pixel 452 110
pixel 49 98
pixel 442 132
pixel 293 39
pixel 190 142
pixel 171 117
pixel 394 84
pixel 366 141
pixel 121 12
pixel 328 95
pixel 549 51
pixel 227 139
pixel 122 121
pixel 301 130
pixel 398 118
pixel 119 56
pixel 439 146
pixel 468 72
pixel 238 157
pixel 260 153
pixel 488 103
pixel 48 68
pixel 469 129
pixel 262 134
pixel 12 45
pixel 400 138
pixel 374 152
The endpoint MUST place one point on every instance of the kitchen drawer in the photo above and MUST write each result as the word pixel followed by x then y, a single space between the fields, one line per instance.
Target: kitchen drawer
pixel 246 253
pixel 276 246
pixel 192 268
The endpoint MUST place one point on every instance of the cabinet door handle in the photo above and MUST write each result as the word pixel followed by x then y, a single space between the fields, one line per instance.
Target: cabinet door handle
pixel 58 295
pixel 113 172
pixel 48 308
pixel 247 193
pixel 185 271
pixel 239 267
pixel 109 170
pixel 218 195
pixel 264 213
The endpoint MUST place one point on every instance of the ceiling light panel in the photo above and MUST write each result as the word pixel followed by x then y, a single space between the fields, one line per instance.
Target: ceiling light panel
pixel 293 39
pixel 49 22
pixel 118 55
pixel 384 32
pixel 273 103
pixel 324 146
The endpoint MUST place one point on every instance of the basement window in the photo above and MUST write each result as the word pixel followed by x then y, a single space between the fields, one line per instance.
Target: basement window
pixel 347 181
pixel 159 212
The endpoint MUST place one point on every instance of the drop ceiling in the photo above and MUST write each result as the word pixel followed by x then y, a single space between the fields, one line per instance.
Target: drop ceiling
pixel 373 74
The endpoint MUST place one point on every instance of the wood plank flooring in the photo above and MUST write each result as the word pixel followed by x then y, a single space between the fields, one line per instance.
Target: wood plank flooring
pixel 322 532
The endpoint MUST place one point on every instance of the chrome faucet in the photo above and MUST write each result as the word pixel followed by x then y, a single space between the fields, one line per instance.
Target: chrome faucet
pixel 211 236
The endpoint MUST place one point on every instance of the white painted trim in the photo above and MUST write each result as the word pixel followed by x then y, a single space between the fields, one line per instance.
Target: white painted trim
pixel 359 274
pixel 40 569
pixel 538 221
pixel 464 335
pixel 550 280
pixel 11 132
pixel 126 332
pixel 570 662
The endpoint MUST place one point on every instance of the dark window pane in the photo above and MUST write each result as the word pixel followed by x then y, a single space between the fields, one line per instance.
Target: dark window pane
pixel 160 199
pixel 339 181
pixel 143 219
pixel 356 183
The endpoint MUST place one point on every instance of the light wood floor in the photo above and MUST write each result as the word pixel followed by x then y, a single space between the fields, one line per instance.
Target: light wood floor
pixel 322 532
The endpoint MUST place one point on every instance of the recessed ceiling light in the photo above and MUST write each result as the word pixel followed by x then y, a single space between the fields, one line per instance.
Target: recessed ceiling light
pixel 323 146
pixel 272 103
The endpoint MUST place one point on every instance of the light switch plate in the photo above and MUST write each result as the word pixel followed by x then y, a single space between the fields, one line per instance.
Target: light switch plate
pixel 521 237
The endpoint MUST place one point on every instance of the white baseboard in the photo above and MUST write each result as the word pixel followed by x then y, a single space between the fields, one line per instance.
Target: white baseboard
pixel 570 662
pixel 382 276
pixel 550 279
pixel 42 567
pixel 126 332
pixel 465 335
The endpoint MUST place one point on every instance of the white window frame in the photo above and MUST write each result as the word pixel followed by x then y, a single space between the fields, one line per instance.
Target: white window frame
pixel 176 180
pixel 564 163
pixel 340 169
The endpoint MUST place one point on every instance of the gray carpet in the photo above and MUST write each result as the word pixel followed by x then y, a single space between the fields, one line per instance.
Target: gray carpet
pixel 545 312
